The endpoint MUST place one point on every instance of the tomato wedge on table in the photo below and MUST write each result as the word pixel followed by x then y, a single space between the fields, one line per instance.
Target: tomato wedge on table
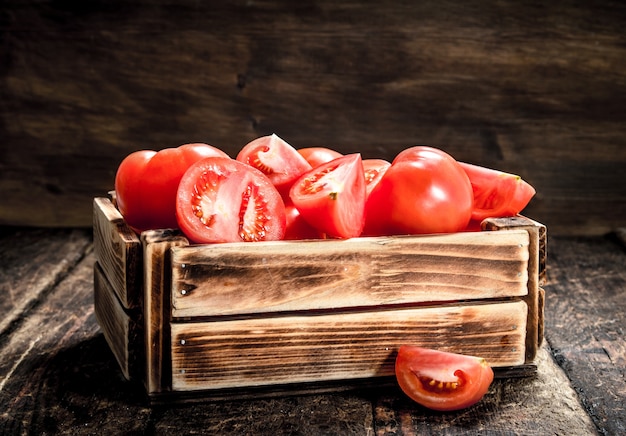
pixel 374 170
pixel 440 380
pixel 496 193
pixel 146 183
pixel 223 200
pixel 275 158
pixel 331 197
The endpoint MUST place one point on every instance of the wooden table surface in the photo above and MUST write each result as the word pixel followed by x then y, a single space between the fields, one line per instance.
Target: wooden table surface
pixel 57 375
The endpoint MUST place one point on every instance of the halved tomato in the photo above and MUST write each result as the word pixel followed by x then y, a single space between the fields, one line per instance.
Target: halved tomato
pixel 440 380
pixel 331 197
pixel 275 158
pixel 318 155
pixel 496 193
pixel 223 200
pixel 146 183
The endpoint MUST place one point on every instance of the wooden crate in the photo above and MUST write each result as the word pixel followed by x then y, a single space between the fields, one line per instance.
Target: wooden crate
pixel 211 320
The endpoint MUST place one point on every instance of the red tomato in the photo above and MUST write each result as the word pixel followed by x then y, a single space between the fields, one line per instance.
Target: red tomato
pixel 276 159
pixel 331 197
pixel 318 155
pixel 297 228
pixel 374 170
pixel 423 191
pixel 223 200
pixel 440 380
pixel 146 182
pixel 496 193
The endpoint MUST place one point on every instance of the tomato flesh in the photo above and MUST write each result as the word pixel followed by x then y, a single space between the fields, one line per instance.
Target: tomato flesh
pixel 146 183
pixel 424 190
pixel 374 169
pixel 331 197
pixel 275 158
pixel 496 193
pixel 223 200
pixel 441 380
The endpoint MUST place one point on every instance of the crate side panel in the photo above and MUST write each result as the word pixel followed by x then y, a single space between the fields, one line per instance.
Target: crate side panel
pixel 338 346
pixel 272 277
pixel 118 250
pixel 122 331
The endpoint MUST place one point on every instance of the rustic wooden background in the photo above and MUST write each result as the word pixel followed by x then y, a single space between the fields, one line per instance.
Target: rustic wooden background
pixel 527 87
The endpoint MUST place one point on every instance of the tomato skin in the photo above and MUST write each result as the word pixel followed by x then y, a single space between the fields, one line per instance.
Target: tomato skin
pixel 275 158
pixel 465 379
pixel 331 197
pixel 316 156
pixel 297 228
pixel 146 182
pixel 497 194
pixel 223 200
pixel 424 190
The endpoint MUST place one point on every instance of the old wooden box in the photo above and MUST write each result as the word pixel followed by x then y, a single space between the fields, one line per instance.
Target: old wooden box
pixel 205 321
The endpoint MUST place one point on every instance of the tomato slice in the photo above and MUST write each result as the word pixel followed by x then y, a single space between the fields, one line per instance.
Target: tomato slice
pixel 496 193
pixel 440 380
pixel 374 170
pixel 331 197
pixel 275 158
pixel 424 190
pixel 318 155
pixel 146 183
pixel 223 200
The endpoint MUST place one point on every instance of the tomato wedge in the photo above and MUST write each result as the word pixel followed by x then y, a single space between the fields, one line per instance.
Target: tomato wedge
pixel 440 380
pixel 275 158
pixel 146 183
pixel 496 193
pixel 374 170
pixel 318 155
pixel 331 197
pixel 297 228
pixel 223 200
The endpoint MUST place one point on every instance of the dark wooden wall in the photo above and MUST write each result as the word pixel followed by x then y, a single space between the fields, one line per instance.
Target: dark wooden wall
pixel 536 88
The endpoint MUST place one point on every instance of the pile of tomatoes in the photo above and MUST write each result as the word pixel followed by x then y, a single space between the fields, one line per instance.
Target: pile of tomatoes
pixel 273 191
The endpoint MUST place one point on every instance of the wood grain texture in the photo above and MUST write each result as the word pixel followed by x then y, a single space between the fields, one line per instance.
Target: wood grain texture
pixel 293 349
pixel 118 250
pixel 123 331
pixel 156 310
pixel 58 375
pixel 269 277
pixel 530 88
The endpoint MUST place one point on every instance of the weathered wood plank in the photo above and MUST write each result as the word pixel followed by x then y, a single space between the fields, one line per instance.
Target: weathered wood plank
pixel 585 319
pixel 32 261
pixel 118 250
pixel 156 310
pixel 285 276
pixel 293 349
pixel 123 331
pixel 527 87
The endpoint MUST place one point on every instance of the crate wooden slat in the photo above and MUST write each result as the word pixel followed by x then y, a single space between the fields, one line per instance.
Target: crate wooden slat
pixel 282 315
pixel 338 346
pixel 360 272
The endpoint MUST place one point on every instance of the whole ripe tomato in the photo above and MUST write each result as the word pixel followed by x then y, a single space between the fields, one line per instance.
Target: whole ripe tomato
pixel 146 182
pixel 331 197
pixel 425 190
pixel 496 193
pixel 318 155
pixel 224 200
pixel 440 380
pixel 275 158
